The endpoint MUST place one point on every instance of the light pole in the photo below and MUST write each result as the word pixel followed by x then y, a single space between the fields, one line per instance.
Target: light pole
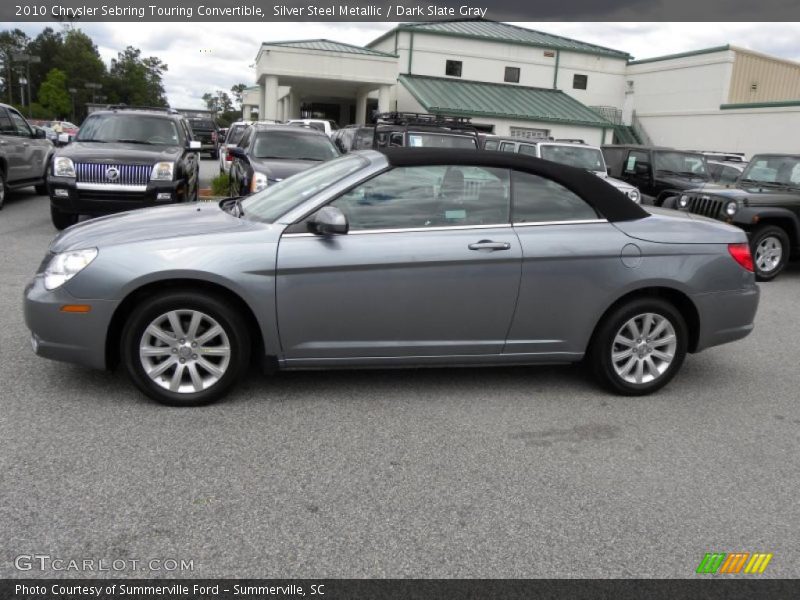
pixel 23 57
pixel 22 82
pixel 72 91
pixel 94 87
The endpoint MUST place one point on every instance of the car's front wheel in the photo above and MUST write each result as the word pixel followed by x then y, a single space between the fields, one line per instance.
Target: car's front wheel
pixel 2 189
pixel 639 346
pixel 769 246
pixel 62 220
pixel 185 349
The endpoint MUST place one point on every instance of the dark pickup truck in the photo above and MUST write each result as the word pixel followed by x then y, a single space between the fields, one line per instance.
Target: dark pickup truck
pixel 207 133
pixel 765 202
pixel 659 173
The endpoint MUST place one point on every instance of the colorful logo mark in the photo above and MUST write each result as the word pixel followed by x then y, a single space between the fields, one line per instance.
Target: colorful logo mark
pixel 733 562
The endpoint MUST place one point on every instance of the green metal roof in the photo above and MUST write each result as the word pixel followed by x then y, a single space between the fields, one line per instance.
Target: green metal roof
pixel 680 55
pixel 478 99
pixel 503 32
pixel 329 46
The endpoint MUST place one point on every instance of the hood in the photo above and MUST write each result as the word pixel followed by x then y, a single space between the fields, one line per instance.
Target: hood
pixel 754 195
pixel 279 168
pixel 682 183
pixel 177 220
pixel 676 227
pixel 99 152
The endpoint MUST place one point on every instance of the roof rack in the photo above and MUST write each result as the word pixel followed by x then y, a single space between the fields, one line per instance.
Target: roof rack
pixel 165 109
pixel 407 118
pixel 570 141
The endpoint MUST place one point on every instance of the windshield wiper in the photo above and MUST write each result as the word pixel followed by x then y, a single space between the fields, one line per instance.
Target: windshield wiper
pixel 309 158
pixel 132 142
pixel 91 140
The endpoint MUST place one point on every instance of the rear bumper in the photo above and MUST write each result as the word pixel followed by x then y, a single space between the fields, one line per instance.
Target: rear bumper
pixel 726 316
pixel 66 195
pixel 78 338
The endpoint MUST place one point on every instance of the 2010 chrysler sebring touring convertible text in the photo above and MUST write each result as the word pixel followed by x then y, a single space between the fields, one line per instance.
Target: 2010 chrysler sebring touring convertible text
pixel 410 257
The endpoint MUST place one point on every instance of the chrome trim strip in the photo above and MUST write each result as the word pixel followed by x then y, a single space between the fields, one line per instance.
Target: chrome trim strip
pixel 110 187
pixel 410 229
pixel 581 222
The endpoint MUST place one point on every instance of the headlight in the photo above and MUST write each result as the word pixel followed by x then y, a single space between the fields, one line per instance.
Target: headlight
pixel 634 195
pixel 684 201
pixel 731 208
pixel 162 171
pixel 63 167
pixel 258 182
pixel 63 267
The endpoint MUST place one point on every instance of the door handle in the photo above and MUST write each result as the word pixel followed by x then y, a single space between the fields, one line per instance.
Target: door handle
pixel 489 245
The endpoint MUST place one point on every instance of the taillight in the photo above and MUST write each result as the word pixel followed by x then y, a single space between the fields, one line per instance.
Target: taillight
pixel 213 136
pixel 741 254
pixel 228 155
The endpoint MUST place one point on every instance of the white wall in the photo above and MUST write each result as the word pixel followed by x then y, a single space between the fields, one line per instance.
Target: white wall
pixel 751 131
pixel 686 84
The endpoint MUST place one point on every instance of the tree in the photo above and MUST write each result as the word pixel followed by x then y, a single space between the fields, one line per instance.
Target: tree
pixel 48 46
pixel 219 101
pixel 81 62
pixel 53 94
pixel 135 80
pixel 238 93
pixel 11 42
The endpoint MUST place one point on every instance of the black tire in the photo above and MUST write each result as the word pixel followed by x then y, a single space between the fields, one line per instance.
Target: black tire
pixel 775 239
pixel 603 345
pixel 62 220
pixel 41 189
pixel 232 324
pixel 3 189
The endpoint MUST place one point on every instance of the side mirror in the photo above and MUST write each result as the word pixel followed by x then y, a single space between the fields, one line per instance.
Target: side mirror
pixel 39 133
pixel 642 168
pixel 237 151
pixel 328 220
pixel 608 170
pixel 195 145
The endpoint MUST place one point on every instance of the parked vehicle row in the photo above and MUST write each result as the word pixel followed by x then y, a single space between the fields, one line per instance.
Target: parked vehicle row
pixel 25 153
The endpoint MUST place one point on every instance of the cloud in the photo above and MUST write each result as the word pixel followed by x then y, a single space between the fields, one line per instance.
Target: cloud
pixel 204 57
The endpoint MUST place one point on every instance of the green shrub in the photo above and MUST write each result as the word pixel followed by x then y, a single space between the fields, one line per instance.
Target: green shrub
pixel 221 185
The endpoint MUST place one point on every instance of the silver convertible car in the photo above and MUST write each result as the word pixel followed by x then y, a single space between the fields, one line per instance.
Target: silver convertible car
pixel 411 257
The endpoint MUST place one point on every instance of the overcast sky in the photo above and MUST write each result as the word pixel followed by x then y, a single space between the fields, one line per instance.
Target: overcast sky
pixel 206 56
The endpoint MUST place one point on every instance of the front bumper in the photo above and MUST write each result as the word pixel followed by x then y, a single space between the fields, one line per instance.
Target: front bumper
pixel 86 199
pixel 78 338
pixel 726 316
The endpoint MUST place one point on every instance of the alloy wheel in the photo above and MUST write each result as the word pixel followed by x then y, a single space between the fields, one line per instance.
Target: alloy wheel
pixel 644 348
pixel 185 351
pixel 769 253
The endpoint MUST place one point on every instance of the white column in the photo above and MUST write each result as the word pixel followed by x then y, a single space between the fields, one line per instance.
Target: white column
pixel 294 104
pixel 384 104
pixel 246 112
pixel 282 109
pixel 270 88
pixel 361 107
pixel 261 96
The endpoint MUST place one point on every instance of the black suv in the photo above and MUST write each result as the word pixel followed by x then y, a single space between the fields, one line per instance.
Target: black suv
pixel 659 173
pixel 24 153
pixel 415 130
pixel 124 158
pixel 765 202
pixel 205 131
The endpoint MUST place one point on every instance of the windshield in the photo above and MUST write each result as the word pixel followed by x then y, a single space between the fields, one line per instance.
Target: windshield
pixel 275 201
pixel 778 170
pixel 141 129
pixel 293 146
pixel 681 163
pixel 202 124
pixel 574 156
pixel 440 140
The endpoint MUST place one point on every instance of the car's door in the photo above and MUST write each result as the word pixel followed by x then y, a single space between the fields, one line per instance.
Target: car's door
pixel 15 148
pixel 571 265
pixel 33 149
pixel 430 268
pixel 638 171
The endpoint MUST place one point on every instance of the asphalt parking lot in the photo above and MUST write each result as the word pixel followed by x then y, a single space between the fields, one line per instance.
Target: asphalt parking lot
pixel 512 472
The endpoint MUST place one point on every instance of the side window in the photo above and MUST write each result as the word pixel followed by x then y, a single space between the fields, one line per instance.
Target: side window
pixel 431 196
pixel 396 139
pixel 245 141
pixel 6 126
pixel 21 126
pixel 731 174
pixel 507 147
pixel 490 145
pixel 538 200
pixel 635 157
pixel 528 149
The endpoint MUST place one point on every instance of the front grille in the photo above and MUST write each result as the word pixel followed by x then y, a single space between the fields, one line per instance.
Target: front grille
pixel 98 173
pixel 708 206
pixel 113 195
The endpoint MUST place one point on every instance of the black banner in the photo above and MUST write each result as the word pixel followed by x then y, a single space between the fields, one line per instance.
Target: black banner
pixel 396 10
pixel 396 589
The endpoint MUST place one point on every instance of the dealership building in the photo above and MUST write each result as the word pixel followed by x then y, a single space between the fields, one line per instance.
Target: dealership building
pixel 525 83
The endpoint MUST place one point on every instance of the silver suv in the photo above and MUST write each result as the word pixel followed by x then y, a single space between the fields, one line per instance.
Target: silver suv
pixel 573 153
pixel 24 153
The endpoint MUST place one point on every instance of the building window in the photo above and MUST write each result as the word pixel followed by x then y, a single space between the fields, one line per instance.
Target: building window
pixel 529 133
pixel 579 81
pixel 512 75
pixel 453 68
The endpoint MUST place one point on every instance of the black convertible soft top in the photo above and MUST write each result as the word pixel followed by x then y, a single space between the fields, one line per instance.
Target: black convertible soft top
pixel 605 198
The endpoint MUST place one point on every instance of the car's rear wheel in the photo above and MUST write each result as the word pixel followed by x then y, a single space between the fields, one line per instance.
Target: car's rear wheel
pixel 639 346
pixel 769 246
pixel 62 220
pixel 185 349
pixel 2 189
